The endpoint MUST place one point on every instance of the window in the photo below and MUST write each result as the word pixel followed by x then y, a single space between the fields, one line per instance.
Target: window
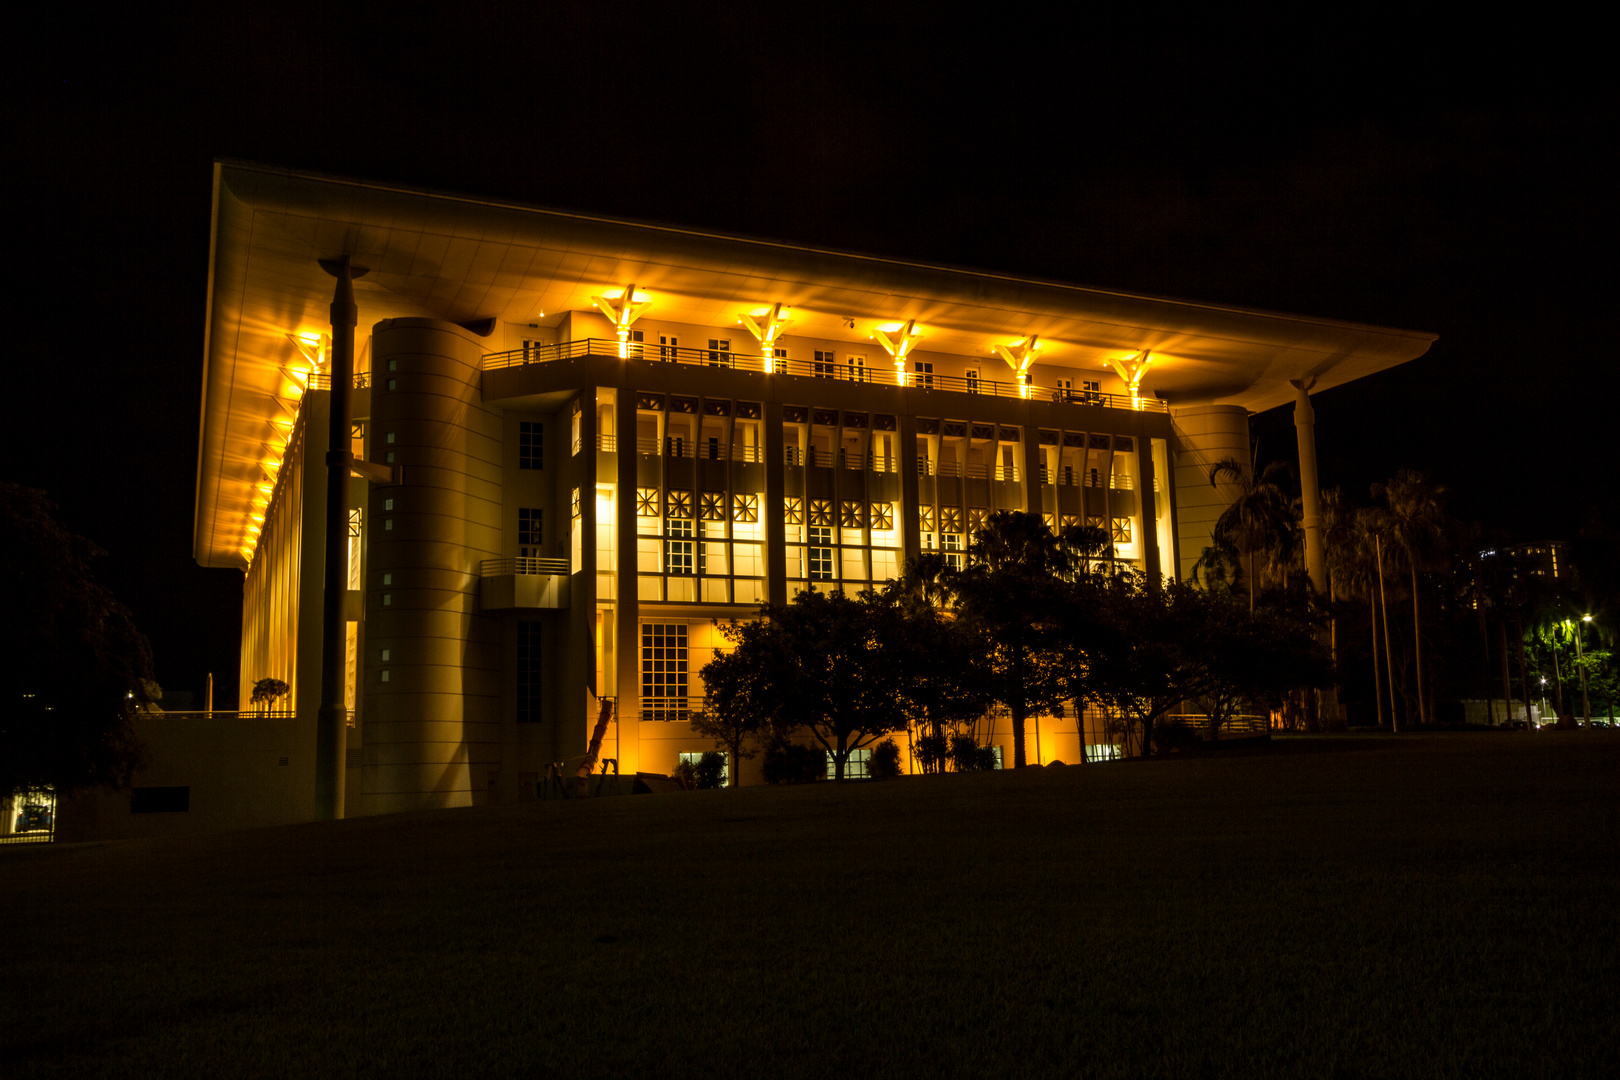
pixel 528 672
pixel 531 439
pixel 745 508
pixel 635 340
pixel 850 514
pixel 529 533
pixel 821 512
pixel 712 506
pixel 1121 533
pixel 719 353
pixel 925 374
pixel 694 760
pixel 857 368
pixel 972 380
pixel 951 544
pixel 857 766
pixel 825 366
pixel 667 344
pixel 663 671
pixel 882 516
pixel 678 548
pixel 646 502
pixel 793 510
pixel 821 558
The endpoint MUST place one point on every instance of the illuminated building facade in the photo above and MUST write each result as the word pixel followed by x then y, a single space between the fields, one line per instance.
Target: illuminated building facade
pixel 588 443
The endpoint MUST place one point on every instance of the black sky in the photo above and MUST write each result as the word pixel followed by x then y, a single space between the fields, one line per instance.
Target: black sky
pixel 1427 175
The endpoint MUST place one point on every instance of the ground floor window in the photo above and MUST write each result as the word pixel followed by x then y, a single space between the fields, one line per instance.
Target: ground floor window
pixel 858 766
pixel 663 671
pixel 721 779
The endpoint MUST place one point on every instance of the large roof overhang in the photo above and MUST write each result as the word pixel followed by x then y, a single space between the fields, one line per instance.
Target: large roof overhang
pixel 459 259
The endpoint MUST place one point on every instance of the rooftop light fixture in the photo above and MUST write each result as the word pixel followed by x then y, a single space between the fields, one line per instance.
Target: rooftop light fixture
pixel 622 307
pixel 898 346
pixel 767 324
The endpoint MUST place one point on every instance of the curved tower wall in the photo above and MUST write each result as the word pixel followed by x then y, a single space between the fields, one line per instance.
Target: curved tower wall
pixel 1204 435
pixel 431 735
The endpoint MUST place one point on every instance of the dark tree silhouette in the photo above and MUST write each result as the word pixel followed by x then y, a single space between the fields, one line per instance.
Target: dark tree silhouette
pixel 74 666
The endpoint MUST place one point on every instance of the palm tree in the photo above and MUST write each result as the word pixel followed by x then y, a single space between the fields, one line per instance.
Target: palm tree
pixel 1412 521
pixel 1260 519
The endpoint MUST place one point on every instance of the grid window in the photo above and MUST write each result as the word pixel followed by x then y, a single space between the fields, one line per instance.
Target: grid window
pixel 528 672
pixel 719 352
pixel 530 534
pixel 825 366
pixel 857 766
pixel 973 380
pixel 663 671
pixel 925 374
pixel 857 368
pixel 678 548
pixel 951 544
pixel 821 558
pixel 531 443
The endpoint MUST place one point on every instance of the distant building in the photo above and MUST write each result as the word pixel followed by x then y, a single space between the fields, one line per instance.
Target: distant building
pixel 609 437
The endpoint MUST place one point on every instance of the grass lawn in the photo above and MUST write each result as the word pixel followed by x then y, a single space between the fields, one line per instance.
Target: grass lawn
pixel 1341 906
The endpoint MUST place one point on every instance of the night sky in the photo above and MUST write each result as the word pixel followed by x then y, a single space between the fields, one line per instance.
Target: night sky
pixel 1450 178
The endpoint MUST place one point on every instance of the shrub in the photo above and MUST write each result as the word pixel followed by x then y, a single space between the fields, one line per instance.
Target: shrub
pixel 931 752
pixel 1171 735
pixel 685 774
pixel 968 756
pixel 885 761
pixel 710 771
pixel 789 763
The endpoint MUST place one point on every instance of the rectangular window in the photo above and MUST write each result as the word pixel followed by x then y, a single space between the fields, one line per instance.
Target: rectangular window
pixel 856 366
pixel 678 549
pixel 972 380
pixel 858 766
pixel 531 440
pixel 528 672
pixel 719 353
pixel 924 373
pixel 667 344
pixel 951 544
pixel 825 367
pixel 821 558
pixel 529 533
pixel 663 671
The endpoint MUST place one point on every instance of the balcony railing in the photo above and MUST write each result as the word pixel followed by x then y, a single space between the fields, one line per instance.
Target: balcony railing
pixel 636 350
pixel 673 710
pixel 522 565
pixel 320 380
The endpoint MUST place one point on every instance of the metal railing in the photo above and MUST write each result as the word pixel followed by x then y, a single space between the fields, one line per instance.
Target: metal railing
pixel 672 710
pixel 950 467
pixel 522 565
pixel 320 380
pixel 841 459
pixel 673 354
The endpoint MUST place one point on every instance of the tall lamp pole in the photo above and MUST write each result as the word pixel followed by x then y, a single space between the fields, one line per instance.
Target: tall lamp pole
pixel 331 726
pixel 1586 704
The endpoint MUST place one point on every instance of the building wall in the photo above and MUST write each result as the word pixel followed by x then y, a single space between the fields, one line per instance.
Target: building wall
pixel 1204 435
pixel 433 670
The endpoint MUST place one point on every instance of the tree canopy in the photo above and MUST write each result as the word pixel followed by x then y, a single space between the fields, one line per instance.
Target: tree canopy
pixel 75 668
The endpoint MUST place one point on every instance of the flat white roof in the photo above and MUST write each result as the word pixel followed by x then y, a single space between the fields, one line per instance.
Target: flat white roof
pixel 460 258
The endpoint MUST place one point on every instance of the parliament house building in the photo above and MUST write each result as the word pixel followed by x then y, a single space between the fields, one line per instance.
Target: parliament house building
pixel 583 445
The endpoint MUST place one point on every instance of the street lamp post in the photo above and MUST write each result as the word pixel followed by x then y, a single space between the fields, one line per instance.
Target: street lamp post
pixel 1586 704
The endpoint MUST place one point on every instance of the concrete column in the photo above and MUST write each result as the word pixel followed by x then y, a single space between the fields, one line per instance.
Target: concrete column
pixel 1310 493
pixel 1204 435
pixel 433 729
